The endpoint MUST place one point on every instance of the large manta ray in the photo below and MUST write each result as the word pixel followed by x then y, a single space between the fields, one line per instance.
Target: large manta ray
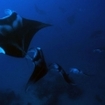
pixel 16 33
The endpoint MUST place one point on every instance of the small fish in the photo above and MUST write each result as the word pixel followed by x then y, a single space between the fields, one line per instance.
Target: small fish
pixel 97 50
pixel 77 71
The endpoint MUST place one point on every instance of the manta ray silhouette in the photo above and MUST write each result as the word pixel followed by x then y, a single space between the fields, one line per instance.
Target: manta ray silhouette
pixel 17 32
pixel 62 73
pixel 40 69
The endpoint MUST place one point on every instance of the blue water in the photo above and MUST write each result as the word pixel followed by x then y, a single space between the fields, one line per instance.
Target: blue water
pixel 76 39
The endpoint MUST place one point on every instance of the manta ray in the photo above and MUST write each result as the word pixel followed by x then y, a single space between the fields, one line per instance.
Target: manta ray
pixel 40 68
pixel 17 32
pixel 62 72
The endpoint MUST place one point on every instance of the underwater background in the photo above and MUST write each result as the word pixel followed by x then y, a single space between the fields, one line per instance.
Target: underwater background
pixel 76 39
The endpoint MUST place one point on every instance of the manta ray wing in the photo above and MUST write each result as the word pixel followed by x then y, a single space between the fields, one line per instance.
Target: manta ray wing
pixel 40 69
pixel 29 29
pixel 16 34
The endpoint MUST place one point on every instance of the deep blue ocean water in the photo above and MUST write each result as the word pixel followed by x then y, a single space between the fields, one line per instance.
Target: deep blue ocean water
pixel 76 39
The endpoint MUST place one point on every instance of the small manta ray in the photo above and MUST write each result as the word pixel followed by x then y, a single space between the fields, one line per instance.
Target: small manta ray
pixel 16 33
pixel 62 73
pixel 77 71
